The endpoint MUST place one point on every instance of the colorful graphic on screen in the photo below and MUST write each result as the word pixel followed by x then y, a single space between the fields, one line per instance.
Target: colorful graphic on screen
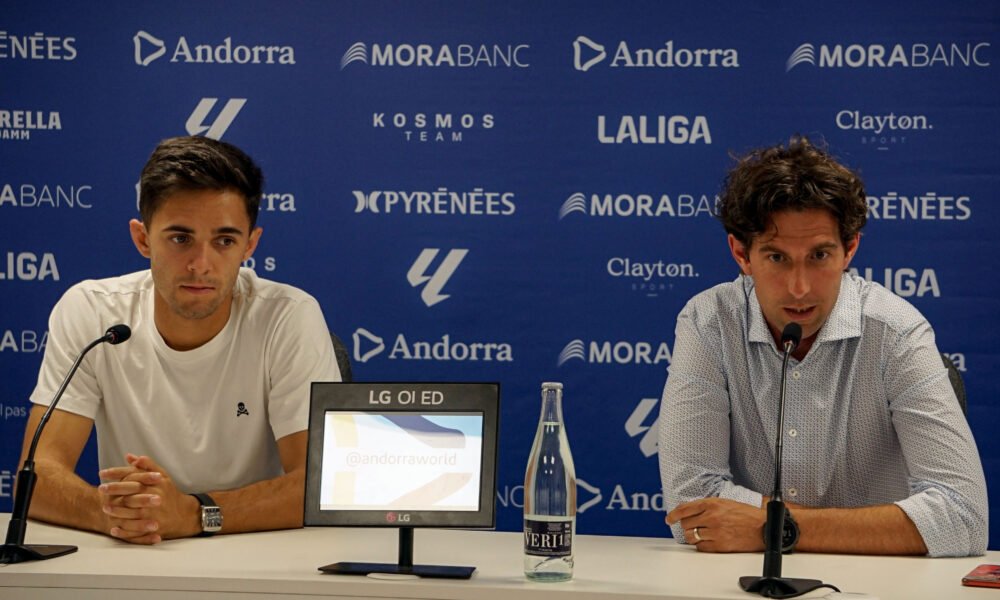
pixel 401 461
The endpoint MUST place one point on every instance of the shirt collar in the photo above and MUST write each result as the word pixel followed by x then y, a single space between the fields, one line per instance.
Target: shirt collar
pixel 844 321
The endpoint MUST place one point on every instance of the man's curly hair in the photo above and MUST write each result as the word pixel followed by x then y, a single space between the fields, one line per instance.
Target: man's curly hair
pixel 800 176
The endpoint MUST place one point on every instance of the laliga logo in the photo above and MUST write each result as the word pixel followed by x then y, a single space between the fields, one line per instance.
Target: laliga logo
pixel 578 46
pixel 196 122
pixel 806 53
pixel 431 294
pixel 575 203
pixel 378 345
pixel 159 48
pixel 358 52
pixel 634 426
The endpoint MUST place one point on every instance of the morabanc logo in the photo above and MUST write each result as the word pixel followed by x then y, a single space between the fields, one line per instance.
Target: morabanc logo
pixel 620 352
pixel 467 56
pixel 640 205
pixel 884 56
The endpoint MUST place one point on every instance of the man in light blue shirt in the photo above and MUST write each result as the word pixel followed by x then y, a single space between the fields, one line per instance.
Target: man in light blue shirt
pixel 878 457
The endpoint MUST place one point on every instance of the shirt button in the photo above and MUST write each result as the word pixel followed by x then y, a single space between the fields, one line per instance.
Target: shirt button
pixel 793 432
pixel 793 492
pixel 796 374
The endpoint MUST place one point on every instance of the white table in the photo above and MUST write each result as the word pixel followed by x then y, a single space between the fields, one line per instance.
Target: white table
pixel 284 564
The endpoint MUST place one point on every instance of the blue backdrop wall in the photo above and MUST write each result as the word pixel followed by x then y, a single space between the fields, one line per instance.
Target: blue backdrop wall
pixel 512 191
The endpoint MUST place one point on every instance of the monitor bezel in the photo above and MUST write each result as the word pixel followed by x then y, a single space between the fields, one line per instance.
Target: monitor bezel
pixel 473 397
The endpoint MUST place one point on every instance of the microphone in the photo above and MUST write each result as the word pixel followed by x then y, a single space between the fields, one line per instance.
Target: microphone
pixel 14 549
pixel 771 584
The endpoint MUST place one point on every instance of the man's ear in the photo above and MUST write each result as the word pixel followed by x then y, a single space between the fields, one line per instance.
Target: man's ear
pixel 140 237
pixel 252 242
pixel 851 250
pixel 741 254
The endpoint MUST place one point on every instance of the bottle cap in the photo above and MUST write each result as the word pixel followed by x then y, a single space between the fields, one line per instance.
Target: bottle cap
pixel 551 385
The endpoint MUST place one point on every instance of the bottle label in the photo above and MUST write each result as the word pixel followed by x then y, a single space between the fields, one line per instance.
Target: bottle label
pixel 548 538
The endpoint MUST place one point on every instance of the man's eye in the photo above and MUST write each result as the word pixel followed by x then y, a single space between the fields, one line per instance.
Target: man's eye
pixel 775 258
pixel 821 255
pixel 179 238
pixel 227 242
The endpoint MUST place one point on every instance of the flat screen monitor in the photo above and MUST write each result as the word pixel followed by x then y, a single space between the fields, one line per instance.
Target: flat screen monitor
pixel 402 455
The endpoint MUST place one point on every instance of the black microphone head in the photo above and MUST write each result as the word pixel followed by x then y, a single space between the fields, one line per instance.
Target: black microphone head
pixel 117 334
pixel 791 334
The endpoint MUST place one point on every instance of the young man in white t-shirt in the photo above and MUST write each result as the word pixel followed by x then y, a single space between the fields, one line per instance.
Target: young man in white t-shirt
pixel 201 416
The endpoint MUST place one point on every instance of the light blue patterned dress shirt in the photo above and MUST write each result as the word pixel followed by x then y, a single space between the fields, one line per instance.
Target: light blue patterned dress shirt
pixel 870 415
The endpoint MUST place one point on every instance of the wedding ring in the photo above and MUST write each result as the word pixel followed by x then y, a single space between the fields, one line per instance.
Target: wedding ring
pixel 696 536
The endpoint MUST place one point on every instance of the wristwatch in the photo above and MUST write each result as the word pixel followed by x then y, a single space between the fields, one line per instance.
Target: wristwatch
pixel 789 534
pixel 211 515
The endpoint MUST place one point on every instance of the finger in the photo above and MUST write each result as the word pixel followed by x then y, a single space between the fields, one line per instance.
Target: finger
pixel 143 462
pixel 116 473
pixel 131 528
pixel 145 477
pixel 685 511
pixel 120 488
pixel 136 538
pixel 141 501
pixel 123 512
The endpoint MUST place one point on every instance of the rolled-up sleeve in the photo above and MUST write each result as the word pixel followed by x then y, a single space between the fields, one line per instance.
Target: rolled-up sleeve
pixel 948 502
pixel 694 424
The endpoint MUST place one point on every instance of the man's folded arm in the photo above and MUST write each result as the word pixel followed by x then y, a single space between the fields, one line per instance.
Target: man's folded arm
pixel 60 495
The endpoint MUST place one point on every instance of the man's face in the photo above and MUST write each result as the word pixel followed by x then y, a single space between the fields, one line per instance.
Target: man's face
pixel 796 265
pixel 195 243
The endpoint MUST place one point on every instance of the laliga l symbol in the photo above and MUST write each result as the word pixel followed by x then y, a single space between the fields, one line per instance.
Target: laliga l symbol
pixel 160 48
pixel 577 52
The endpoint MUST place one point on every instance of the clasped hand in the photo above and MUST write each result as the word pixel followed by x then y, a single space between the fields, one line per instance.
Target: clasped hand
pixel 722 525
pixel 142 504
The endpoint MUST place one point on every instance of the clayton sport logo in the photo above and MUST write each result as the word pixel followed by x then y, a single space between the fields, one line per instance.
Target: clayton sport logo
pixel 887 56
pixel 587 53
pixel 463 56
pixel 368 345
pixel 149 48
pixel 417 274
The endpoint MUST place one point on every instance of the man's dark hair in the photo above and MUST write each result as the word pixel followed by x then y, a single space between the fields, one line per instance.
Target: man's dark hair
pixel 800 176
pixel 197 163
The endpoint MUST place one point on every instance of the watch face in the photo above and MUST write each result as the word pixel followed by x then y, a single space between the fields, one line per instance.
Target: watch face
pixel 211 519
pixel 789 535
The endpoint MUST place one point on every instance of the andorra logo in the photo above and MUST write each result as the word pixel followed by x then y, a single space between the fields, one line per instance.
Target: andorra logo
pixel 155 49
pixel 583 43
pixel 376 344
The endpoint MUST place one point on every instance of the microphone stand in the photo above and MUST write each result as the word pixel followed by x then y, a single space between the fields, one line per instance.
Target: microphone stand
pixel 14 549
pixel 771 584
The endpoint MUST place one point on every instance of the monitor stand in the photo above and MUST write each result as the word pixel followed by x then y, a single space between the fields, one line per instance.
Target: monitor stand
pixel 405 566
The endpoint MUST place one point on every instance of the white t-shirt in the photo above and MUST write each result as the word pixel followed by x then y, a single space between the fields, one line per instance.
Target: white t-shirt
pixel 209 416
